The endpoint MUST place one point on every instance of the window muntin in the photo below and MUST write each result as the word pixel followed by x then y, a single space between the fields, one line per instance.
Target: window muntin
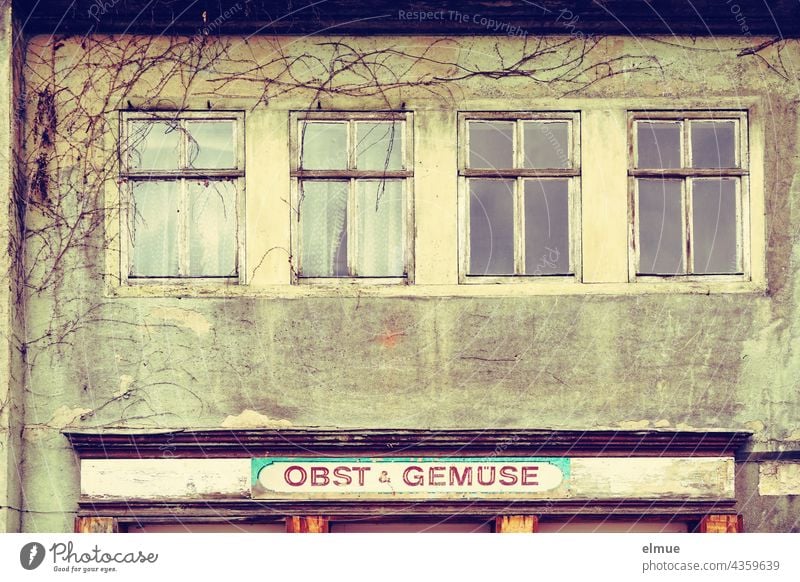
pixel 520 183
pixel 183 185
pixel 352 210
pixel 689 192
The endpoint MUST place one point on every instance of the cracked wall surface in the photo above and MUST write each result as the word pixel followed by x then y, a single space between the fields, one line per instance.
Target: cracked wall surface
pixel 11 305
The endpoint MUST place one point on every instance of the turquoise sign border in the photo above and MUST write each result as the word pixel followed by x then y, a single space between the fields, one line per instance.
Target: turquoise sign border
pixel 258 463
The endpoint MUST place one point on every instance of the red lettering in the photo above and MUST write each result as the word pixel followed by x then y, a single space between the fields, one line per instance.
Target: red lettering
pixel 435 473
pixel 508 475
pixel 360 471
pixel 342 476
pixel 483 481
pixel 529 473
pixel 464 479
pixel 287 476
pixel 319 476
pixel 413 480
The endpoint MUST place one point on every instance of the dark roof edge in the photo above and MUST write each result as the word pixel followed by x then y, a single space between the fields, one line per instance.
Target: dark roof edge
pixel 778 18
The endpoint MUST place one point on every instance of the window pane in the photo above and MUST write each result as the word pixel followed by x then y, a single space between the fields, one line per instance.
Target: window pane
pixel 491 227
pixel 154 228
pixel 212 228
pixel 713 144
pixel 444 525
pixel 379 225
pixel 323 228
pixel 659 144
pixel 714 226
pixel 546 227
pixel 546 144
pixel 588 525
pixel 379 146
pixel 491 144
pixel 660 227
pixel 216 527
pixel 154 145
pixel 324 146
pixel 211 144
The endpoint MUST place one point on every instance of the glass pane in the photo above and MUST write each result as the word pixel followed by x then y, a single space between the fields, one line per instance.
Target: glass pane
pixel 660 227
pixel 154 228
pixel 546 227
pixel 714 226
pixel 659 144
pixel 587 525
pixel 212 228
pixel 491 227
pixel 491 144
pixel 713 144
pixel 546 144
pixel 154 145
pixel 379 146
pixel 324 146
pixel 220 527
pixel 211 144
pixel 379 224
pixel 323 228
pixel 443 525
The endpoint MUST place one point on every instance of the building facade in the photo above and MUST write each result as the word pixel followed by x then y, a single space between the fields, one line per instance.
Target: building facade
pixel 470 267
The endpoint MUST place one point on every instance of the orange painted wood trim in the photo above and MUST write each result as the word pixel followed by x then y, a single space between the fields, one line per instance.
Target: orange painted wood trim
pixel 96 525
pixel 516 524
pixel 721 524
pixel 307 524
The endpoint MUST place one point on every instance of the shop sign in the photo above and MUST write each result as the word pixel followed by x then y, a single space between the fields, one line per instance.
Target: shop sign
pixel 431 478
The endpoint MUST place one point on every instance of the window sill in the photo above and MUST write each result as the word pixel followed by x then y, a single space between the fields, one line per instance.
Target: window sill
pixel 690 279
pixel 526 280
pixel 549 288
pixel 339 282
pixel 191 281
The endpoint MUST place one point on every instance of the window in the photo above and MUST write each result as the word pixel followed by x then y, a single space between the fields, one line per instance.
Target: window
pixel 352 181
pixel 688 179
pixel 520 177
pixel 183 176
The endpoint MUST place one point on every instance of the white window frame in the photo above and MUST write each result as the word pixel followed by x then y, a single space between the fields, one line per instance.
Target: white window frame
pixel 129 175
pixel 352 175
pixel 519 174
pixel 686 173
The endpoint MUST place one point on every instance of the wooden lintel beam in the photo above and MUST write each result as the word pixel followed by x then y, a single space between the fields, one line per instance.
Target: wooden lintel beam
pixel 96 525
pixel 307 524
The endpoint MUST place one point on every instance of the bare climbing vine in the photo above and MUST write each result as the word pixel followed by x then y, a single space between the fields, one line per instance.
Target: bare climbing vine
pixel 75 88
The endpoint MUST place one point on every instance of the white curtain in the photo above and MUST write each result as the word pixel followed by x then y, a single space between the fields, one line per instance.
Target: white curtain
pixel 323 228
pixel 381 238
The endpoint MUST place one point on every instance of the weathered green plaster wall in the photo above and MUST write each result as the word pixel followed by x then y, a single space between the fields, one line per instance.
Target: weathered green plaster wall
pixel 11 326
pixel 636 361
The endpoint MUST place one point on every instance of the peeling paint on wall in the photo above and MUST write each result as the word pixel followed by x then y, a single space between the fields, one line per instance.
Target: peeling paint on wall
pixel 183 317
pixel 634 424
pixel 779 478
pixel 125 382
pixel 65 416
pixel 253 419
